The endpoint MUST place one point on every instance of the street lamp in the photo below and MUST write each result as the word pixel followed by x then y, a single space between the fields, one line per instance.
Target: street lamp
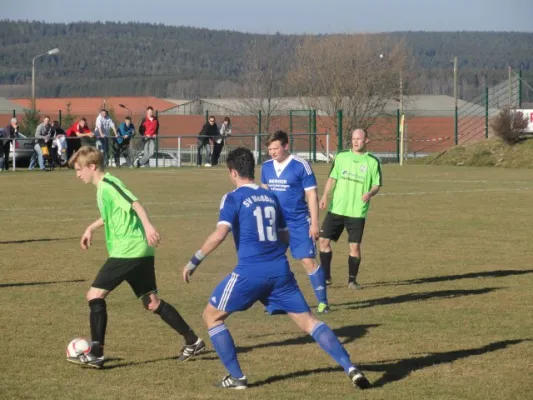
pixel 126 108
pixel 48 53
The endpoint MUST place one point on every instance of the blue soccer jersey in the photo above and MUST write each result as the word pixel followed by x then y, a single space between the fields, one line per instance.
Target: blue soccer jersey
pixel 289 180
pixel 255 218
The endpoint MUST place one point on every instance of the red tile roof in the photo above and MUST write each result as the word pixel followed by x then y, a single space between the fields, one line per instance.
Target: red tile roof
pixel 86 106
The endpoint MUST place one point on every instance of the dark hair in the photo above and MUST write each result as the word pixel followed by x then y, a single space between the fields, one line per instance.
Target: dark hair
pixel 103 109
pixel 227 119
pixel 128 118
pixel 149 108
pixel 278 135
pixel 84 119
pixel 46 116
pixel 241 160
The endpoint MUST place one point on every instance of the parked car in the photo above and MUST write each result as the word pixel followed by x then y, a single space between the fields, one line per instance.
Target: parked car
pixel 163 158
pixel 23 149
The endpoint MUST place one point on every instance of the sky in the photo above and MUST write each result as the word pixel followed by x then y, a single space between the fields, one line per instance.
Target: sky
pixel 290 16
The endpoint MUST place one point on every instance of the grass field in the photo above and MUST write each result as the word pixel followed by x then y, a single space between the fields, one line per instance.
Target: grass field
pixel 445 313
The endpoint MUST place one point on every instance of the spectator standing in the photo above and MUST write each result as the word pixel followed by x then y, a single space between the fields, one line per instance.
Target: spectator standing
pixel 149 129
pixel 126 130
pixel 104 125
pixel 80 130
pixel 209 132
pixel 225 131
pixel 42 134
pixel 10 132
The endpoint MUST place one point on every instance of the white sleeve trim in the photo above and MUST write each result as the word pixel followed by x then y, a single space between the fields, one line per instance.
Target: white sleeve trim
pixel 225 223
pixel 310 188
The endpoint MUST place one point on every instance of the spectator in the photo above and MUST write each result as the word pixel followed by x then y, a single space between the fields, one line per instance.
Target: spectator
pixel 104 125
pixel 225 131
pixel 42 134
pixel 10 132
pixel 55 145
pixel 149 129
pixel 208 132
pixel 77 130
pixel 126 131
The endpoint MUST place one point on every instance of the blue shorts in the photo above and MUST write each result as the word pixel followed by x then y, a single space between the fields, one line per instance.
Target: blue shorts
pixel 301 245
pixel 279 294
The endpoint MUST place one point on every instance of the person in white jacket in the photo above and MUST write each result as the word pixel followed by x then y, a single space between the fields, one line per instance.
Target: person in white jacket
pixel 225 131
pixel 102 130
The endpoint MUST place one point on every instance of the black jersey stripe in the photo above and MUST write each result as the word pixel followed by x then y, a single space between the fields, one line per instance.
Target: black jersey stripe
pixel 119 190
pixel 379 168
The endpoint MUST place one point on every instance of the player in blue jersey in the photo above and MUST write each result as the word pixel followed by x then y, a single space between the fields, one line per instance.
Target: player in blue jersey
pixel 293 182
pixel 262 272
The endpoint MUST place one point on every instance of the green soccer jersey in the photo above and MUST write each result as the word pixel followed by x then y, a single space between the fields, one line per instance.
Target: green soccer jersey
pixel 124 232
pixel 355 174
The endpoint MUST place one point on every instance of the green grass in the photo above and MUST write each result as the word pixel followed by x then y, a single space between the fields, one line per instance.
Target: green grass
pixel 484 153
pixel 446 309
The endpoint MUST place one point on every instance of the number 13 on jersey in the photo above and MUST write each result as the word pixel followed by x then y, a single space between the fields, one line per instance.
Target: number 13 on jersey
pixel 266 223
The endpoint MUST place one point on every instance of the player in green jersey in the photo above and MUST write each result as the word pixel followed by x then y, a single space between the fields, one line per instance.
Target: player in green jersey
pixel 355 178
pixel 131 239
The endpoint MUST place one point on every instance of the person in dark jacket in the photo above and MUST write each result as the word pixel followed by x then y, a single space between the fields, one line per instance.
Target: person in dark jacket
pixel 225 131
pixel 209 132
pixel 10 132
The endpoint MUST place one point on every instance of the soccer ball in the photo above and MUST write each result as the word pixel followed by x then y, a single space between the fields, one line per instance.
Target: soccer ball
pixel 78 346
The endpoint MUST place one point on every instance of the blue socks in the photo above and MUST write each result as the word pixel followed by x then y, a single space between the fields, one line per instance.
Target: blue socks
pixel 225 348
pixel 318 281
pixel 327 340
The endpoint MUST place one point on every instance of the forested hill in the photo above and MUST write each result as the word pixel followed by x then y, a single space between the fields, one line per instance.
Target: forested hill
pixel 99 59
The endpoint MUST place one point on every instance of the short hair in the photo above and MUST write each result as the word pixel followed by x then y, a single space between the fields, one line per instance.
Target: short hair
pixel 13 120
pixel 241 160
pixel 104 110
pixel 278 135
pixel 46 117
pixel 149 108
pixel 86 156
pixel 212 117
pixel 83 119
pixel 128 118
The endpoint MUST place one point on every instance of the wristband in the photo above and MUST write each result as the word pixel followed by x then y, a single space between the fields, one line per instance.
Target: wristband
pixel 195 261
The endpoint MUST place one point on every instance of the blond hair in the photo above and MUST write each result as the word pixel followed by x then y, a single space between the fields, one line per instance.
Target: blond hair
pixel 86 156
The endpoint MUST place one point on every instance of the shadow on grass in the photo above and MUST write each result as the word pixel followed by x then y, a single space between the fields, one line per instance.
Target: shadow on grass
pixel 396 370
pixel 156 360
pixel 500 273
pixel 410 297
pixel 36 240
pixel 17 284
pixel 346 334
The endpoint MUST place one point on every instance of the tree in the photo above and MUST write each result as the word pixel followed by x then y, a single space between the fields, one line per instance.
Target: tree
pixel 358 74
pixel 262 81
pixel 68 118
pixel 30 121
pixel 509 125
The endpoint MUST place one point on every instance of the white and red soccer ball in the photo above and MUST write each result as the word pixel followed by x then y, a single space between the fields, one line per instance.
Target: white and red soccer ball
pixel 78 346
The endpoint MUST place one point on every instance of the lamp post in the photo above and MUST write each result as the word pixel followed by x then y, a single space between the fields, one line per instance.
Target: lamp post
pixel 48 53
pixel 126 108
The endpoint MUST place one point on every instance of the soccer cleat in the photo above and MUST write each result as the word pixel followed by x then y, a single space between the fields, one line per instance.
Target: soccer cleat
pixel 207 165
pixel 188 351
pixel 229 382
pixel 358 379
pixel 323 308
pixel 354 286
pixel 88 359
pixel 328 282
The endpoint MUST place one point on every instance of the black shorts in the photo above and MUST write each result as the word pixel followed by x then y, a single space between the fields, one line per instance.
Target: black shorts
pixel 138 272
pixel 334 224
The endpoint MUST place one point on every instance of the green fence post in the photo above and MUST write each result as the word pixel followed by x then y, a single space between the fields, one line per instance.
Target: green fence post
pixel 398 116
pixel 339 130
pixel 313 129
pixel 156 151
pixel 259 129
pixel 60 118
pixel 520 89
pixel 206 116
pixel 14 113
pixel 456 126
pixel 486 112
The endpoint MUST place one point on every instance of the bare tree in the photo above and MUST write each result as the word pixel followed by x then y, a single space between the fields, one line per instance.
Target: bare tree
pixel 358 74
pixel 509 125
pixel 262 82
